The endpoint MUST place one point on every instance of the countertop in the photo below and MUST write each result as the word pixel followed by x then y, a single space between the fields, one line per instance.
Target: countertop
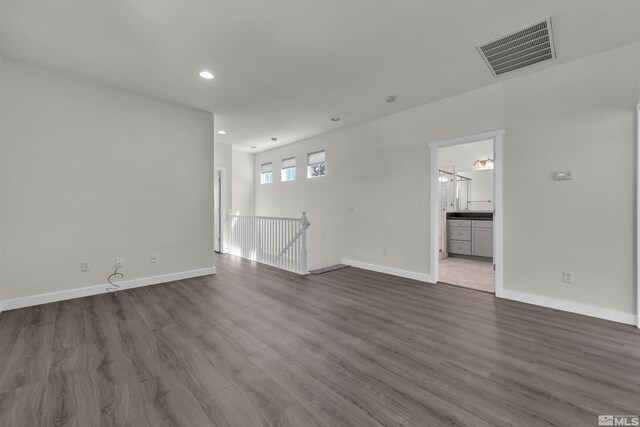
pixel 472 215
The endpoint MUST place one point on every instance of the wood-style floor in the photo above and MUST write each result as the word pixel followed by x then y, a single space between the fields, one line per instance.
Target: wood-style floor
pixel 256 346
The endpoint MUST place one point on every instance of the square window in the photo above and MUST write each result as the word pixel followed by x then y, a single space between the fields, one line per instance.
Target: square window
pixel 266 173
pixel 288 169
pixel 317 166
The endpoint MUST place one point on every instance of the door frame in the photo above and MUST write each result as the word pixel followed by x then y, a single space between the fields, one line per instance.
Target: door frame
pixel 497 136
pixel 223 207
pixel 637 215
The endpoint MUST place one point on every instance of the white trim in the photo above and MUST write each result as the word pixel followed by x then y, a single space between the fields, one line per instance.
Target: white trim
pixel 539 300
pixel 570 306
pixel 497 137
pixel 224 220
pixel 638 215
pixel 101 289
pixel 467 139
pixel 269 265
pixel 498 216
pixel 422 277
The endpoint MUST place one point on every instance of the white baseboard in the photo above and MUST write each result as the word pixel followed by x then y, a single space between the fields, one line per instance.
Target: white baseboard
pixel 558 304
pixel 422 277
pixel 570 306
pixel 100 289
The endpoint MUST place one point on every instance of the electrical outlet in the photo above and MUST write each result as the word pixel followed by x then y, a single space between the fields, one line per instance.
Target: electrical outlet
pixel 153 258
pixel 119 262
pixel 85 266
pixel 567 277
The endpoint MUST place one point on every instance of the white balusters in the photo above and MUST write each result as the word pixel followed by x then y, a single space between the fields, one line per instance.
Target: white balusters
pixel 280 242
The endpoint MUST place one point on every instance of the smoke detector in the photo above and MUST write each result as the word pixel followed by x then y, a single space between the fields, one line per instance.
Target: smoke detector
pixel 521 48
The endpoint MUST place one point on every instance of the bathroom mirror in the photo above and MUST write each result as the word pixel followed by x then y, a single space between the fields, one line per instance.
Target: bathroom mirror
pixel 475 190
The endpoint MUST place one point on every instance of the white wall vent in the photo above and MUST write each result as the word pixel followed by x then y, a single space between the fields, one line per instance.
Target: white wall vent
pixel 521 48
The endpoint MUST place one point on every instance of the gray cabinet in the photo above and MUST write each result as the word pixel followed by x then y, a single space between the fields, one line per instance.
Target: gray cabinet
pixel 460 233
pixel 482 242
pixel 470 237
pixel 459 247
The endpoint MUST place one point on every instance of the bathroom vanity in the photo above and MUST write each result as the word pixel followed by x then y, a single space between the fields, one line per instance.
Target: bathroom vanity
pixel 470 233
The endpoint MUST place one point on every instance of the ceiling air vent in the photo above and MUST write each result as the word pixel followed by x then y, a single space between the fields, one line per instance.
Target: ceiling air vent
pixel 519 49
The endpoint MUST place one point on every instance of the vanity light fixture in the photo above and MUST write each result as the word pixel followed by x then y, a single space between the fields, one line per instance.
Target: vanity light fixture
pixel 483 164
pixel 206 75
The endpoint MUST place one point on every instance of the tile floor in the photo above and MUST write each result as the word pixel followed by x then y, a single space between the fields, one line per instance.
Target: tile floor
pixel 468 273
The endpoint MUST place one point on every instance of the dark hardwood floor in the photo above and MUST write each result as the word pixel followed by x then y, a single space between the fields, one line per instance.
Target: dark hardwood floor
pixel 256 346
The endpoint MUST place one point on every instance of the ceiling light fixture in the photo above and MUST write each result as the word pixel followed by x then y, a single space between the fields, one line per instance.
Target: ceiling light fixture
pixel 222 132
pixel 274 139
pixel 335 119
pixel 206 75
pixel 391 98
pixel 483 164
pixel 252 146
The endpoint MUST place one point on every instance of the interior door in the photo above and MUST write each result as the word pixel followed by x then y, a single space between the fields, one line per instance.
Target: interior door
pixel 216 211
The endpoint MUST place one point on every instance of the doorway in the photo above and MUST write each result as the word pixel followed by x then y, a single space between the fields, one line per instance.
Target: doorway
pixel 466 197
pixel 217 210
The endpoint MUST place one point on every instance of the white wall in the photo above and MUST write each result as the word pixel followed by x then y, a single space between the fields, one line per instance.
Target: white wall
pixel 577 115
pixel 380 168
pixel 224 161
pixel 243 183
pixel 463 156
pixel 89 172
pixel 238 183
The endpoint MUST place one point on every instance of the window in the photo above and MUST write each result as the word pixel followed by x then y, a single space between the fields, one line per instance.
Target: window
pixel 288 169
pixel 316 164
pixel 266 175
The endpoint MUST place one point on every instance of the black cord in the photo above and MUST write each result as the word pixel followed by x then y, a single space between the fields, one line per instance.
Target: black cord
pixel 113 289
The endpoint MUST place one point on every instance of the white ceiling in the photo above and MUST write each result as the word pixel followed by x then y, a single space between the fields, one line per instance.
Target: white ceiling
pixel 284 67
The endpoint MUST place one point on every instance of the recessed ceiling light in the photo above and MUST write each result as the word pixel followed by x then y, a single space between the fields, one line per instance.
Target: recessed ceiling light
pixel 335 119
pixel 391 98
pixel 222 132
pixel 206 75
pixel 252 146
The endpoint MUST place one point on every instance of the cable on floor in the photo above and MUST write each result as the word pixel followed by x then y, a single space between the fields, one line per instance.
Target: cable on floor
pixel 113 289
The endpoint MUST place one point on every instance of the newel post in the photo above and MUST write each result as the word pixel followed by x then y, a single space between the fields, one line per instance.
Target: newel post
pixel 303 251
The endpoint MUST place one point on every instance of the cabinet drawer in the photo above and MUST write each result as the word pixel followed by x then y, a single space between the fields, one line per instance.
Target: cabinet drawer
pixel 459 233
pixel 459 247
pixel 459 223
pixel 482 224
